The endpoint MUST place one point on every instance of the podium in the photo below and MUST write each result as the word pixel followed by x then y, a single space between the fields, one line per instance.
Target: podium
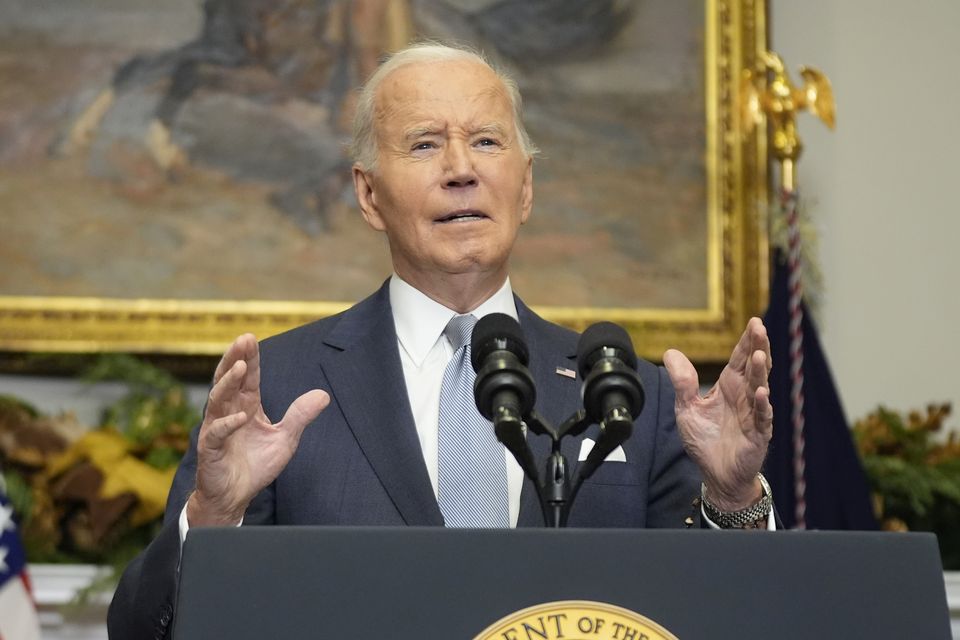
pixel 438 584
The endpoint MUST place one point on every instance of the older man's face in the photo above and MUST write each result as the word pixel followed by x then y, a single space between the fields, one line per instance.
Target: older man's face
pixel 452 184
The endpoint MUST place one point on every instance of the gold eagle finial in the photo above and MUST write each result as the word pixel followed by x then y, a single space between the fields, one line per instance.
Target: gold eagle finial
pixel 780 100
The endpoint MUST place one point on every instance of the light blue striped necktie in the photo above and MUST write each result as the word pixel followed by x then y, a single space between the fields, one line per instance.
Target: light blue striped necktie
pixel 472 470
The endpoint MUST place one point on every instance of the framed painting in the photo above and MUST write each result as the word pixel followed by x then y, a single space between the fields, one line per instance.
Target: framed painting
pixel 173 175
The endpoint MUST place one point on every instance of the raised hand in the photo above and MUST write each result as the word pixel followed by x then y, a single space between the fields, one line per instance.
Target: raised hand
pixel 727 431
pixel 239 452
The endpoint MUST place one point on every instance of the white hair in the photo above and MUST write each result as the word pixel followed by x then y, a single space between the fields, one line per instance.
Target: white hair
pixel 363 147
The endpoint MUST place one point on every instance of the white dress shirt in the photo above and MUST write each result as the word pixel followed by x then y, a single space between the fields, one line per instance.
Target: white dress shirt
pixel 424 354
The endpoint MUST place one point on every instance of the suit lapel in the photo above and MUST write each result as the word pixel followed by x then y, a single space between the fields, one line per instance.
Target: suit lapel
pixel 362 365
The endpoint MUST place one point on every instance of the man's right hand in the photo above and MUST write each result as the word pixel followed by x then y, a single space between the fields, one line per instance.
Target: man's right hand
pixel 239 452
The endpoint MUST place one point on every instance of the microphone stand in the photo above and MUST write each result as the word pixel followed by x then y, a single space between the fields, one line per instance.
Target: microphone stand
pixel 505 394
pixel 554 490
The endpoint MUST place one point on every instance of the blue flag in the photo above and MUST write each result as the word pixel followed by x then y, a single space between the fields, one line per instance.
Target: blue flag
pixel 837 492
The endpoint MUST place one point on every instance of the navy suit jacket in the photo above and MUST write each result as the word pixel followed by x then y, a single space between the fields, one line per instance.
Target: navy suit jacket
pixel 360 461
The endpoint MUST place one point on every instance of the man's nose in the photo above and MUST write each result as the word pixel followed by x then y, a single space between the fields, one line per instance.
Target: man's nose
pixel 458 166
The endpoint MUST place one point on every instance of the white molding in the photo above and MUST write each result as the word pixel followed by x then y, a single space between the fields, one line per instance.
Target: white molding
pixel 58 584
pixel 951 580
pixel 55 588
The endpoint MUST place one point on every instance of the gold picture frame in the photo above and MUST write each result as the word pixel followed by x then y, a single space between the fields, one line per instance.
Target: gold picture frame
pixel 737 253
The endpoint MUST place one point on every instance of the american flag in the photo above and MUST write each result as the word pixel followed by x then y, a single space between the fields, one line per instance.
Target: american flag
pixel 18 614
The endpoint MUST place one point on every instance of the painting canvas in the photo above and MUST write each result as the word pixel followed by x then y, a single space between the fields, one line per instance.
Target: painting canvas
pixel 173 173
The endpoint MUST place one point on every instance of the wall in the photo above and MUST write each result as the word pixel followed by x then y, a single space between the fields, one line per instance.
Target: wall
pixel 883 192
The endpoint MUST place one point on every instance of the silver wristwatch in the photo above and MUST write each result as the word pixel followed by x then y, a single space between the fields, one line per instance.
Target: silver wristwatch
pixel 753 517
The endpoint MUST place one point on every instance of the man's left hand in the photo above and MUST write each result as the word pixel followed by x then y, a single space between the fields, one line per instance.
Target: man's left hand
pixel 726 432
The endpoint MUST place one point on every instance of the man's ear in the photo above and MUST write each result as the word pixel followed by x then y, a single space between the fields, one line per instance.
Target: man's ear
pixel 526 193
pixel 364 189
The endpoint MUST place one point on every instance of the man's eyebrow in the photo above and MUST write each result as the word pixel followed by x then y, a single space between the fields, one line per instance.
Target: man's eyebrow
pixel 419 132
pixel 416 133
pixel 491 129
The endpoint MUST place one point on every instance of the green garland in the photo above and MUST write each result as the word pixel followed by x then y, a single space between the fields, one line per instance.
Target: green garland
pixel 914 474
pixel 153 417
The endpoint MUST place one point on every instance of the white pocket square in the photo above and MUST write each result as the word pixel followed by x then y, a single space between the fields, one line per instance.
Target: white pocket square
pixel 617 455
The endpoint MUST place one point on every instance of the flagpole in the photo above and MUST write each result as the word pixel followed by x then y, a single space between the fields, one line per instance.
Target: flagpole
pixel 769 94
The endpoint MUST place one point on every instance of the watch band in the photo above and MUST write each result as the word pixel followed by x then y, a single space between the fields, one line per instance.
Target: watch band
pixel 753 517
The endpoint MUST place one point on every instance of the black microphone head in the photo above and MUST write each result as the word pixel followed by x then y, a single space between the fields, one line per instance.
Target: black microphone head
pixel 600 337
pixel 496 332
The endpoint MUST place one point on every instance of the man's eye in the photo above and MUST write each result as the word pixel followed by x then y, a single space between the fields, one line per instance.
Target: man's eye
pixel 423 146
pixel 487 142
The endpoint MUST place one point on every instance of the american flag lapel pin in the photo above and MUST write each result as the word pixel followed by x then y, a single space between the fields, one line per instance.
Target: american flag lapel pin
pixel 569 373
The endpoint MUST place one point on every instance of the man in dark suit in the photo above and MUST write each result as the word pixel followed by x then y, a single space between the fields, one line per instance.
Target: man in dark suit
pixel 444 168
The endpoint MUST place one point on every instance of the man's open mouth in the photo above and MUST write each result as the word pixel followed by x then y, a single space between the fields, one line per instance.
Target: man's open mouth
pixel 465 215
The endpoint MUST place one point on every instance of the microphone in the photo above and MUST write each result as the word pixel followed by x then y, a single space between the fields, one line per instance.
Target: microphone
pixel 504 390
pixel 504 387
pixel 612 392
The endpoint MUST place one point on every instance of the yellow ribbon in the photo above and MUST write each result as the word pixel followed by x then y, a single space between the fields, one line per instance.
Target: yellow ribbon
pixel 122 472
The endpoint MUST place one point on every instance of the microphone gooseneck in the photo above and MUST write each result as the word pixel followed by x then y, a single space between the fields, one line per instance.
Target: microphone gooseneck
pixel 612 392
pixel 504 389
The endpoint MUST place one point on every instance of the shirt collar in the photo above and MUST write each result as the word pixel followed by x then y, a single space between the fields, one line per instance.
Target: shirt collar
pixel 420 320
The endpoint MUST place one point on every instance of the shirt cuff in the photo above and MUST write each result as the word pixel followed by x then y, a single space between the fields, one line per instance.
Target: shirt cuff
pixel 185 529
